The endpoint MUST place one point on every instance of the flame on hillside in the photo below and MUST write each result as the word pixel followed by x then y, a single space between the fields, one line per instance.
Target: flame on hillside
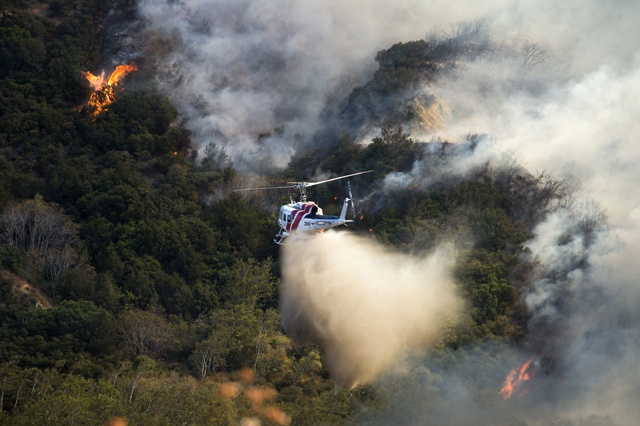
pixel 516 379
pixel 104 88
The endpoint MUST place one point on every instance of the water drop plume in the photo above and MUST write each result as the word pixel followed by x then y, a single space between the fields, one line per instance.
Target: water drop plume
pixel 367 306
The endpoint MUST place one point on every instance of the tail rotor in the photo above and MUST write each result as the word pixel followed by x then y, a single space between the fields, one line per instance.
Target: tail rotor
pixel 353 203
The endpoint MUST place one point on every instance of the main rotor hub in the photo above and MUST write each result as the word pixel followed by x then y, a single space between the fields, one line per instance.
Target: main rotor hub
pixel 303 192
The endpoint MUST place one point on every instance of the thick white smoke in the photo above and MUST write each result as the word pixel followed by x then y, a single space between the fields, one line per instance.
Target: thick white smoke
pixel 366 306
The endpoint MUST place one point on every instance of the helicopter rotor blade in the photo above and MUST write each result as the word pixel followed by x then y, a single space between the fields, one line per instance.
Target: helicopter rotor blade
pixel 268 187
pixel 301 185
pixel 307 184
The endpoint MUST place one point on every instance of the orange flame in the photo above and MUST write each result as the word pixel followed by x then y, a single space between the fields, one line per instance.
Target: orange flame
pixel 104 92
pixel 119 72
pixel 516 378
pixel 95 81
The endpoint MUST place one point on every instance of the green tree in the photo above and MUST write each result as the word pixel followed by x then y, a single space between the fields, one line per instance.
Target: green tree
pixel 210 355
pixel 231 340
pixel 249 283
pixel 272 362
pixel 73 336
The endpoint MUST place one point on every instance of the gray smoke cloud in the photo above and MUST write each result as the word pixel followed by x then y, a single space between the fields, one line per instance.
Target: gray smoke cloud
pixel 257 77
pixel 254 76
pixel 367 306
pixel 576 115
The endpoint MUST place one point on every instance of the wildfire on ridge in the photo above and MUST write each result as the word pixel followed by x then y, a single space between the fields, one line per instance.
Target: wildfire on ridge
pixel 103 93
pixel 516 378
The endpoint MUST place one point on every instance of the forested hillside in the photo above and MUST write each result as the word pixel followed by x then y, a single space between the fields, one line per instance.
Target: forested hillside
pixel 134 283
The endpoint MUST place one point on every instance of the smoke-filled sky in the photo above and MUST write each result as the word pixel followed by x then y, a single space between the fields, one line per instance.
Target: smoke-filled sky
pixel 258 77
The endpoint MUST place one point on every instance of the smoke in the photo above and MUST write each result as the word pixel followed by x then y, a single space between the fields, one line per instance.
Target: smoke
pixel 258 77
pixel 254 76
pixel 450 162
pixel 572 114
pixel 366 306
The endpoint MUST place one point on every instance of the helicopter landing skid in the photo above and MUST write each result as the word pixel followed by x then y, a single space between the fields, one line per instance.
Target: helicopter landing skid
pixel 279 239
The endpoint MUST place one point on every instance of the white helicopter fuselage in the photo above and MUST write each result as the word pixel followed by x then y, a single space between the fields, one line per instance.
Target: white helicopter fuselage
pixel 307 217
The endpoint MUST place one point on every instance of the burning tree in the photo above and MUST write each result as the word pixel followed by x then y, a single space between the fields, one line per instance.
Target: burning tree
pixel 516 378
pixel 105 88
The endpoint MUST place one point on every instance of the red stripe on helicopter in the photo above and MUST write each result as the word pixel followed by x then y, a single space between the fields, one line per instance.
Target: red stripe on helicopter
pixel 297 215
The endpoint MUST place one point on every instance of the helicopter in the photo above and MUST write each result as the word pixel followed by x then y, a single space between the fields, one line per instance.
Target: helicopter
pixel 306 216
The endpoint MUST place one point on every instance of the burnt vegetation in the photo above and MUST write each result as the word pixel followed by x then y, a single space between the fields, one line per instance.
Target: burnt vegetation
pixel 160 291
